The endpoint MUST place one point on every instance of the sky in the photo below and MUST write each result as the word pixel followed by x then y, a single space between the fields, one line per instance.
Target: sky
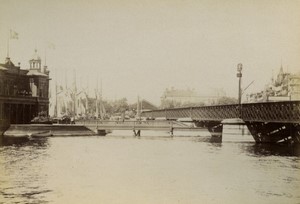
pixel 143 47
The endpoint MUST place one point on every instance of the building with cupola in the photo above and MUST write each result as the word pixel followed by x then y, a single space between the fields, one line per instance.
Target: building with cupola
pixel 24 93
pixel 284 87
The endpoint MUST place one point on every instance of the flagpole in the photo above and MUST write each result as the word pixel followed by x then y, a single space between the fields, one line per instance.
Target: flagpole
pixel 45 56
pixel 8 44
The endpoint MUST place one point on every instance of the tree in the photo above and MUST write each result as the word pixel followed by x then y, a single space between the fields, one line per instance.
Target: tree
pixel 225 100
pixel 120 106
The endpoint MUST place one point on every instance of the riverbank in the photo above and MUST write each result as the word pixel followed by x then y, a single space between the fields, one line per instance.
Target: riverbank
pixel 55 129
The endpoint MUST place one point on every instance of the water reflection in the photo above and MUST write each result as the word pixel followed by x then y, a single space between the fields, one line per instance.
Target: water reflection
pixel 170 169
pixel 22 178
pixel 38 142
pixel 32 196
pixel 269 149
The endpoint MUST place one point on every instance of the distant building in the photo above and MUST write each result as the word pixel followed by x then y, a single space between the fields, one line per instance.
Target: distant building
pixel 294 86
pixel 24 93
pixel 285 86
pixel 187 96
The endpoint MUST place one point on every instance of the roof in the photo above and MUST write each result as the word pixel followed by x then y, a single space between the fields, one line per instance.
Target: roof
pixel 2 68
pixel 9 67
pixel 34 72
pixel 146 105
pixel 8 63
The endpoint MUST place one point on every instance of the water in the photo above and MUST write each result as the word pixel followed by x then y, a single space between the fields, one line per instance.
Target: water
pixel 120 168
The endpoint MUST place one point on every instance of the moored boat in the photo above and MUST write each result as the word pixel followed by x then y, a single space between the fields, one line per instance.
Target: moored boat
pixel 41 120
pixel 15 138
pixel 42 134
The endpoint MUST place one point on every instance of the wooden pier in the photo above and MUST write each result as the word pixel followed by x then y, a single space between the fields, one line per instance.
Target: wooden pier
pixel 137 126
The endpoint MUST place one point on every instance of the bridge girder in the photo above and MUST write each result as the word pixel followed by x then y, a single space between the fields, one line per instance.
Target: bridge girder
pixel 287 111
pixel 267 122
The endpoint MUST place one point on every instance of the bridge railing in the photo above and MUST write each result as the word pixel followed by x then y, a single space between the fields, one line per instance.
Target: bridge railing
pixel 196 113
pixel 287 111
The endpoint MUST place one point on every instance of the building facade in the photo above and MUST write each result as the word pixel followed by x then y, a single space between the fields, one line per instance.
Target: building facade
pixel 179 97
pixel 284 87
pixel 24 93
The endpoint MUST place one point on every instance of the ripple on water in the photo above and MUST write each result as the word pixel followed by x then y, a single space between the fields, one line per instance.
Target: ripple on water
pixel 148 169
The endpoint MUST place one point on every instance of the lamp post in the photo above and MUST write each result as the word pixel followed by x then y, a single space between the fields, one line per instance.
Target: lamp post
pixel 239 75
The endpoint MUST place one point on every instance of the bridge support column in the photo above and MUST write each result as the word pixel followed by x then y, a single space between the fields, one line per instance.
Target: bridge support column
pixel 101 132
pixel 171 131
pixel 215 128
pixel 137 133
pixel 270 132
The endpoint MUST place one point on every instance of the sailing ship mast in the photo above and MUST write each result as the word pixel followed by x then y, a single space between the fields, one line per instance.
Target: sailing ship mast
pixel 102 108
pixel 75 95
pixel 138 109
pixel 87 97
pixel 97 109
pixel 55 108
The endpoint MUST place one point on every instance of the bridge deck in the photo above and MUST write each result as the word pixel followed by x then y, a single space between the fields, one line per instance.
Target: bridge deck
pixel 287 111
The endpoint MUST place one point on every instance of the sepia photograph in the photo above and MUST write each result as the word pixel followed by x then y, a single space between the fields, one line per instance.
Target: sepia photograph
pixel 149 101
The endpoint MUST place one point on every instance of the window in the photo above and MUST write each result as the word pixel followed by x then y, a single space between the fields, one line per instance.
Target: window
pixel 1 88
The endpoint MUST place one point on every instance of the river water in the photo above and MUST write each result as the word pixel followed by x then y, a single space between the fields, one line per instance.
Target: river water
pixel 153 168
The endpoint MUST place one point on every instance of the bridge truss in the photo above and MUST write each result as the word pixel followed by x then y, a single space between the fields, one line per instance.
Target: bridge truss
pixel 267 122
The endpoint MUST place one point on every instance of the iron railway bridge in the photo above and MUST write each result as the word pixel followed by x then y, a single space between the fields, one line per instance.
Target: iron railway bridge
pixel 267 122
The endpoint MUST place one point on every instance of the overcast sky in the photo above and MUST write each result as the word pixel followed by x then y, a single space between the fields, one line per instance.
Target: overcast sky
pixel 143 47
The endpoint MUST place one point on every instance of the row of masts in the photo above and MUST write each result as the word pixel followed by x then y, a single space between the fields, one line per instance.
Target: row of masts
pixel 75 102
pixel 100 110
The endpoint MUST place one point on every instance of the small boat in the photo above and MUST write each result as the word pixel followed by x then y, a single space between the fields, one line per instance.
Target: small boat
pixel 41 119
pixel 42 134
pixel 103 132
pixel 15 138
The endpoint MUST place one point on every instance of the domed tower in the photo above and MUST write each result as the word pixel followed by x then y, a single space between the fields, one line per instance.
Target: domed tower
pixel 35 62
pixel 39 83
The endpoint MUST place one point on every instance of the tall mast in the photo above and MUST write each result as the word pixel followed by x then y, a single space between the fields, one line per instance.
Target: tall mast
pixel 100 100
pixel 87 96
pixel 66 80
pixel 97 108
pixel 56 111
pixel 75 94
pixel 138 108
pixel 100 88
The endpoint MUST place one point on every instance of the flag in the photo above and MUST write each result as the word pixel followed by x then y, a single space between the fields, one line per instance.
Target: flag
pixel 14 34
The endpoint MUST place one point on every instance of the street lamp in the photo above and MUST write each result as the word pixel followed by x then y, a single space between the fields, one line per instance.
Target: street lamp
pixel 239 75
